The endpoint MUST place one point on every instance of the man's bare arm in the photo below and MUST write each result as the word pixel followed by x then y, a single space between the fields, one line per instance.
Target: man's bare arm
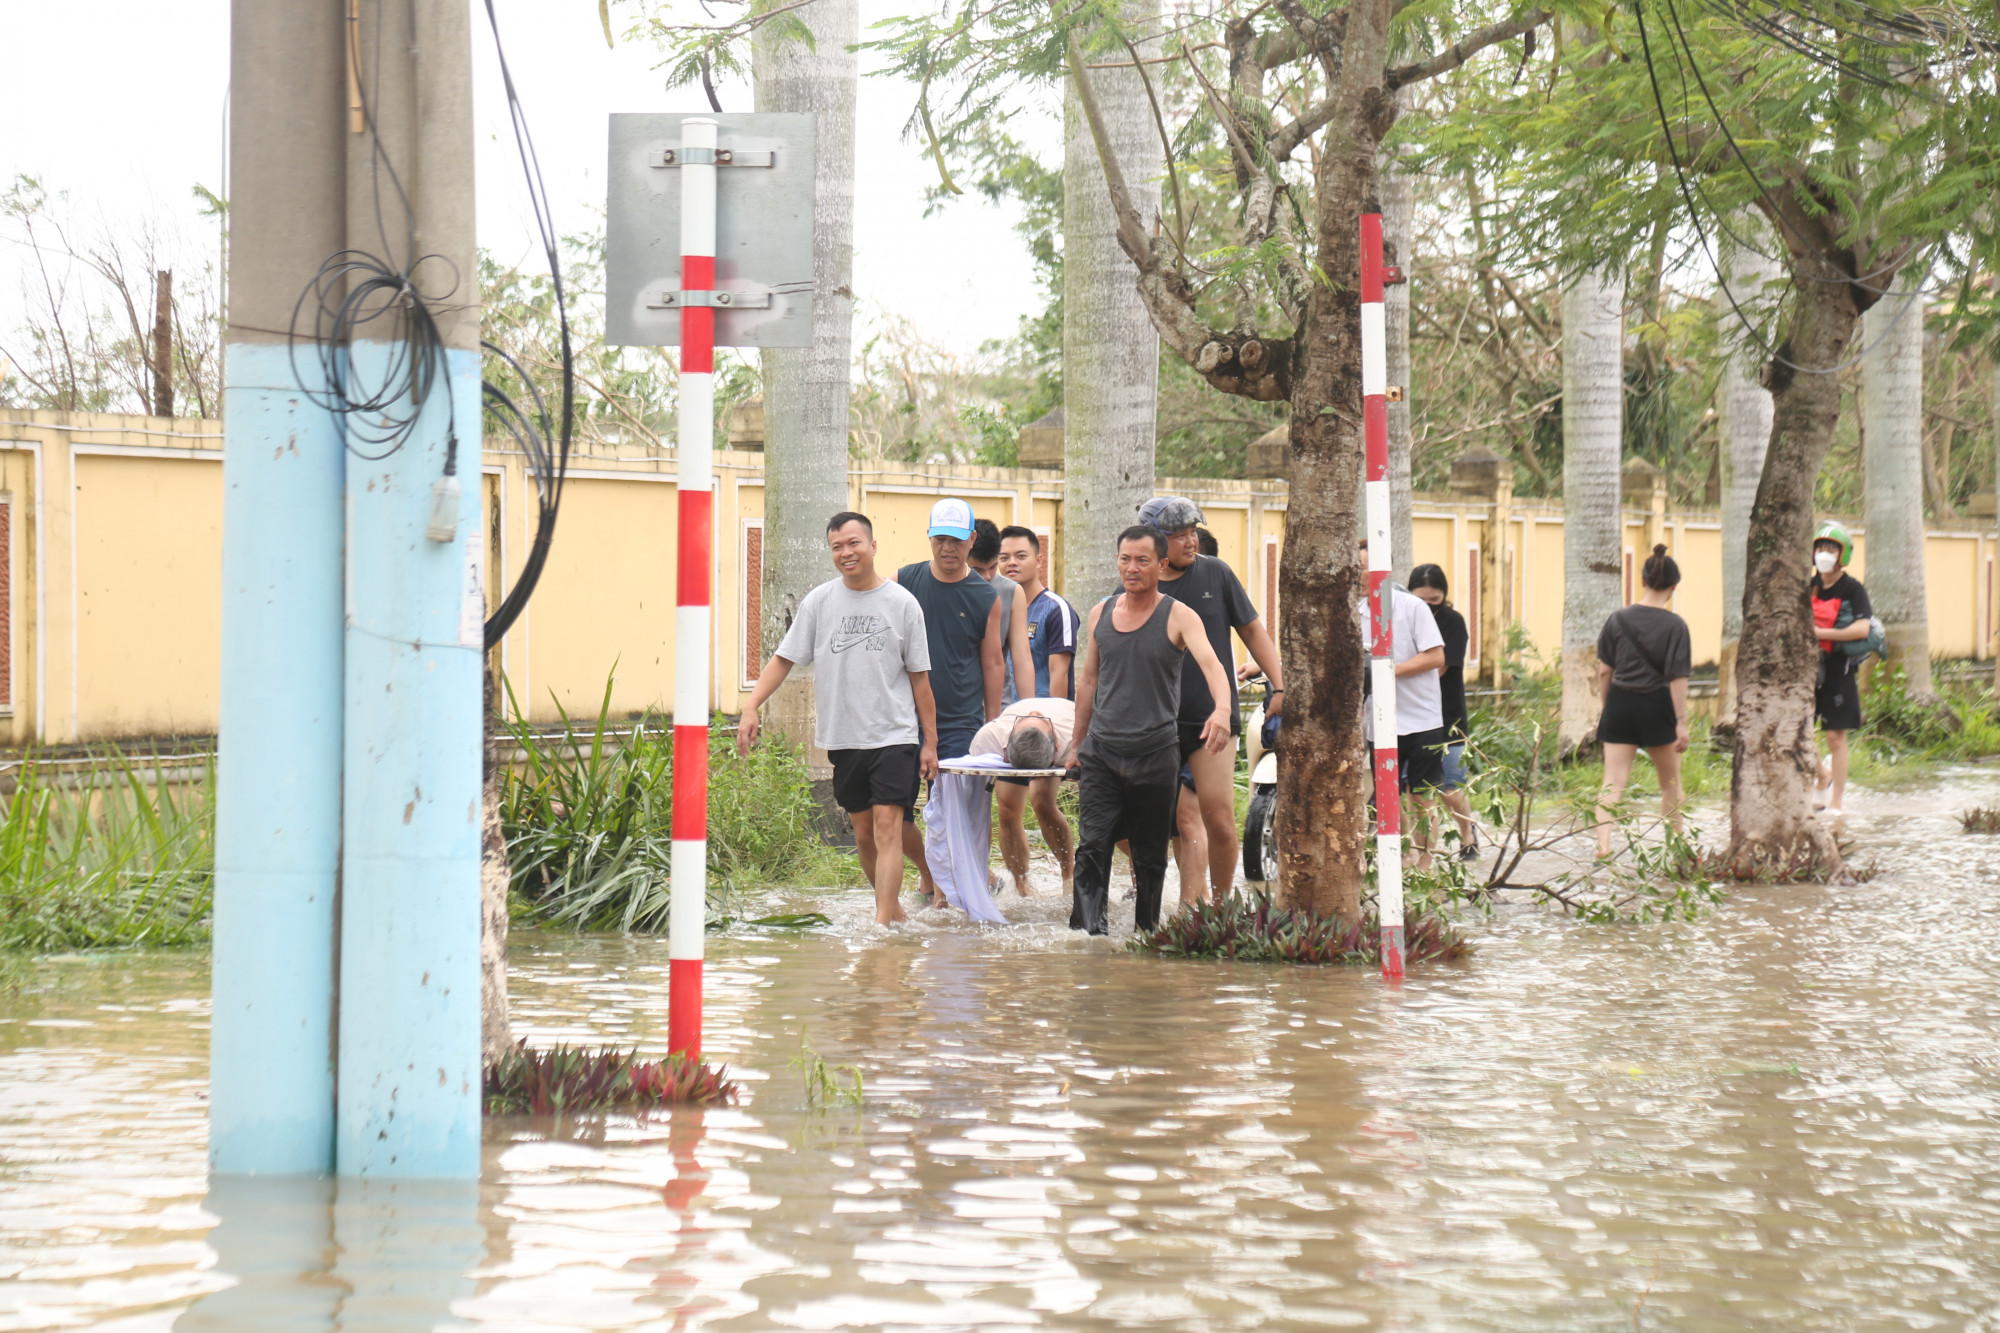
pixel 1059 668
pixel 1086 690
pixel 992 666
pixel 1184 627
pixel 768 681
pixel 920 690
pixel 1017 648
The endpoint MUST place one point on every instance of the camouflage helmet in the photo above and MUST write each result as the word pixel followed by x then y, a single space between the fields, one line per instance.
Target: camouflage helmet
pixel 1830 531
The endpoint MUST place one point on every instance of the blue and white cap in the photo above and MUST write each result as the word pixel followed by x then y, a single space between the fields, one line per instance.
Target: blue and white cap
pixel 951 518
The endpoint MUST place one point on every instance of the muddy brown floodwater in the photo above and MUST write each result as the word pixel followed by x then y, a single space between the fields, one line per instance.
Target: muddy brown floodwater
pixel 1783 1116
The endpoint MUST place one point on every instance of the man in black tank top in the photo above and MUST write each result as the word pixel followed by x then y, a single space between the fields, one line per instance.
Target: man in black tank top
pixel 1127 740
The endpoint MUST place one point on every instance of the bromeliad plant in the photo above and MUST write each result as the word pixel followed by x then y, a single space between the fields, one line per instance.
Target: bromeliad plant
pixel 1250 928
pixel 573 1079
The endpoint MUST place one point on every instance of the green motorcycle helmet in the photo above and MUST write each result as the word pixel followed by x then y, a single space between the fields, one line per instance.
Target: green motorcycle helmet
pixel 1830 531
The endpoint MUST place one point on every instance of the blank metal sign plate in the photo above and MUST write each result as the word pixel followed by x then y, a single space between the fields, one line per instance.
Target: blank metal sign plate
pixel 763 230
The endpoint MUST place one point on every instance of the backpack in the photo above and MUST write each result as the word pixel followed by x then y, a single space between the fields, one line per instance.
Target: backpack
pixel 1877 642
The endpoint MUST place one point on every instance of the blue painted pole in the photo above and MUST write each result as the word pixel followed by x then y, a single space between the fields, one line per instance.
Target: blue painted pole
pixel 409 1095
pixel 277 857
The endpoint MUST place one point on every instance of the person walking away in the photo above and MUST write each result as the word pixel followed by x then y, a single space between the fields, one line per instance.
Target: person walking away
pixel 876 716
pixel 984 557
pixel 962 623
pixel 1127 739
pixel 1841 613
pixel 1052 621
pixel 1642 676
pixel 1416 649
pixel 1208 587
pixel 1427 584
pixel 1031 733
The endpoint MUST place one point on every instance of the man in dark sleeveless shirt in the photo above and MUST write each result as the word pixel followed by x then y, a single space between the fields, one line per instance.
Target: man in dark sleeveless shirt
pixel 1127 740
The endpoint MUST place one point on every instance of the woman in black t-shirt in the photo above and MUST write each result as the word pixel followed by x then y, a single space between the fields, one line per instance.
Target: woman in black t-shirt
pixel 1428 583
pixel 1841 614
pixel 1642 675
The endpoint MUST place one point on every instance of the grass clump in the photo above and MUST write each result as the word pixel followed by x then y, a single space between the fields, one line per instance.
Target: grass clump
pixel 572 1079
pixel 106 856
pixel 589 824
pixel 1981 819
pixel 826 1085
pixel 1250 928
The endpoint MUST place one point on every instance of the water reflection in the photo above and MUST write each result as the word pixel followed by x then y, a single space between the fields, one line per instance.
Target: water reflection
pixel 1783 1115
pixel 348 1255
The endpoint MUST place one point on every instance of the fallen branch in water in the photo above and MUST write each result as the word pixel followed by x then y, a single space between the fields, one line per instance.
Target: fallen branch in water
pixel 1248 927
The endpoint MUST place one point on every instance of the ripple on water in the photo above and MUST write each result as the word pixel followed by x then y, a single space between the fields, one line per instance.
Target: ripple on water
pixel 1783 1116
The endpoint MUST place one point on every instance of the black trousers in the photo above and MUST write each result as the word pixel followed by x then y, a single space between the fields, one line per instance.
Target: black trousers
pixel 1132 798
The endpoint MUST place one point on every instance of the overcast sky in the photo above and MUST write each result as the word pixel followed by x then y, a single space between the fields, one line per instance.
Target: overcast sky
pixel 120 103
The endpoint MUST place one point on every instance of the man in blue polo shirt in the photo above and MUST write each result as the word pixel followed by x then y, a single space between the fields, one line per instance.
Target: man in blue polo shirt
pixel 962 619
pixel 1052 622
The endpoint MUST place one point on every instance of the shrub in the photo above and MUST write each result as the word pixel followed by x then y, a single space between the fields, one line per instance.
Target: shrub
pixel 1981 819
pixel 106 856
pixel 589 823
pixel 573 1078
pixel 1250 928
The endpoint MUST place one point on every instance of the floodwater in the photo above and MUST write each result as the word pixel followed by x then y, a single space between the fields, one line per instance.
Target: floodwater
pixel 1783 1116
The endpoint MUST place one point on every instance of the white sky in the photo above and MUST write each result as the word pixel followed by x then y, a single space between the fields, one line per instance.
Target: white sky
pixel 120 103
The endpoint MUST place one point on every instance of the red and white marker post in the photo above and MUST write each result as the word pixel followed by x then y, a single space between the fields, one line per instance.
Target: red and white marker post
pixel 1381 664
pixel 687 912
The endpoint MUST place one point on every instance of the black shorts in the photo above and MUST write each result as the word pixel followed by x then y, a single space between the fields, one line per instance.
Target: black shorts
pixel 863 779
pixel 1191 733
pixel 1420 759
pixel 1644 718
pixel 1837 704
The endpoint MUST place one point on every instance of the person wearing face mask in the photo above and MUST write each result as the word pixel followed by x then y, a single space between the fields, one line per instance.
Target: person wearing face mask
pixel 1840 613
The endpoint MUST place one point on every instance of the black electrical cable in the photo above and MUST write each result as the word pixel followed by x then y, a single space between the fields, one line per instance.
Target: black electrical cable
pixel 1694 215
pixel 533 431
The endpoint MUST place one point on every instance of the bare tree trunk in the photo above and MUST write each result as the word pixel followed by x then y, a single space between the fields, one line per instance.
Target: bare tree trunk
pixel 1111 352
pixel 495 1033
pixel 1593 418
pixel 1892 396
pixel 1324 781
pixel 1399 231
pixel 163 344
pixel 1770 797
pixel 1746 431
pixel 1993 407
pixel 806 389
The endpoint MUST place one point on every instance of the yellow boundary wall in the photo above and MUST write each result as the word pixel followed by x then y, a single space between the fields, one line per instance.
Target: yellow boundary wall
pixel 111 579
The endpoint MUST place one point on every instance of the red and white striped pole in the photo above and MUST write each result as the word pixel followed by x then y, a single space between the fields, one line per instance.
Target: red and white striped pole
pixel 1381 664
pixel 687 912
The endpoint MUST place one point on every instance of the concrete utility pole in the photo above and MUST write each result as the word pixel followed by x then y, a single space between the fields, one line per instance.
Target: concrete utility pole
pixel 349 781
pixel 1399 210
pixel 277 857
pixel 409 935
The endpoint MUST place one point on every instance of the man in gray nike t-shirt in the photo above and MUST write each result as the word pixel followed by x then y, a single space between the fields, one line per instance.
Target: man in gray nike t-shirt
pixel 877 719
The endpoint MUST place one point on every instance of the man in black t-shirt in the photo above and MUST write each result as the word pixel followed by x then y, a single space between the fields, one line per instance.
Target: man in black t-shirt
pixel 1841 614
pixel 1213 592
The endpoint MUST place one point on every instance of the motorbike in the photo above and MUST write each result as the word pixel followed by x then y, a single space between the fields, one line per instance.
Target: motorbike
pixel 1260 824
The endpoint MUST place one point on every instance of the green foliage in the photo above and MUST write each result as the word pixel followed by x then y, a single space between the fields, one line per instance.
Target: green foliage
pixel 825 1085
pixel 106 856
pixel 589 824
pixel 1247 927
pixel 568 1080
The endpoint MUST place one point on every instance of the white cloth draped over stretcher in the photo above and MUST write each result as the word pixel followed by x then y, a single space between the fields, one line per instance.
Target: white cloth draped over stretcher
pixel 958 836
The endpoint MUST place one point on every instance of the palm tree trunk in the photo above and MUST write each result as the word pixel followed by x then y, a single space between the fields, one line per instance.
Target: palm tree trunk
pixel 1399 231
pixel 1111 352
pixel 1746 431
pixel 1892 406
pixel 1593 365
pixel 806 389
